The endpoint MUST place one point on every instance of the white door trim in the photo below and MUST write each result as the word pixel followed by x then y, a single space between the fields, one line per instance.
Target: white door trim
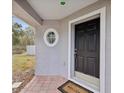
pixel 102 12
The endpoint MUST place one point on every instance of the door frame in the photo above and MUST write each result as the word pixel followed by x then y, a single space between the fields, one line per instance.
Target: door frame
pixel 102 13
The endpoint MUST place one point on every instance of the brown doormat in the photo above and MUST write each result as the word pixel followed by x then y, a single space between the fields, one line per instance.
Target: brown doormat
pixel 70 87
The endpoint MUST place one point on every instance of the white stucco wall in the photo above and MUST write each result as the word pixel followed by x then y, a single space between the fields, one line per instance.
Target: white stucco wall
pixel 54 61
pixel 50 60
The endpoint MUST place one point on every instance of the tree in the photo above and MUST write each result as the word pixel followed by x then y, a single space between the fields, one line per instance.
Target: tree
pixel 22 37
pixel 16 28
pixel 29 32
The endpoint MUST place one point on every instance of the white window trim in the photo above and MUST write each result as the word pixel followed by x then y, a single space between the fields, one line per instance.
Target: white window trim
pixel 56 36
pixel 102 12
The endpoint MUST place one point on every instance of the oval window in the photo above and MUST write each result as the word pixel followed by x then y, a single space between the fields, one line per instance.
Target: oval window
pixel 51 37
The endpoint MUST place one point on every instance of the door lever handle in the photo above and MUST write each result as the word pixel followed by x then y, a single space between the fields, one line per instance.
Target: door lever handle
pixel 75 51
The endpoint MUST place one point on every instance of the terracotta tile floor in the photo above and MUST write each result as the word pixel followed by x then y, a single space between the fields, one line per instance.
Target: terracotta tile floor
pixel 44 84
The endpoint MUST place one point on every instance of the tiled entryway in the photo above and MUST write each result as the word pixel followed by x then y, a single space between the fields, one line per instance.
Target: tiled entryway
pixel 44 84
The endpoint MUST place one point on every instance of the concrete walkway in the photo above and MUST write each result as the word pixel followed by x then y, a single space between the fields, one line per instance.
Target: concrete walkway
pixel 44 84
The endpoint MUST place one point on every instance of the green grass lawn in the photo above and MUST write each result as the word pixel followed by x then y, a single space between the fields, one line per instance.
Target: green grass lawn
pixel 22 62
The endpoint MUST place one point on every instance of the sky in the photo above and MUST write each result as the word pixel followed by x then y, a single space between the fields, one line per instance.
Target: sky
pixel 19 21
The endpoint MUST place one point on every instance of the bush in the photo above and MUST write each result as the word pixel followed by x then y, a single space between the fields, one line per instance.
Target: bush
pixel 18 50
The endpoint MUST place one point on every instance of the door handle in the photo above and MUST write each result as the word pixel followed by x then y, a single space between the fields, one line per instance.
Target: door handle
pixel 75 51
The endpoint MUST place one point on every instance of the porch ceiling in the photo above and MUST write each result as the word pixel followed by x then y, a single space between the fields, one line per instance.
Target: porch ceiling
pixel 52 10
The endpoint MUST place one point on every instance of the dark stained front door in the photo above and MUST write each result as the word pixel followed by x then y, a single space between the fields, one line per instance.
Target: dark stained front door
pixel 87 45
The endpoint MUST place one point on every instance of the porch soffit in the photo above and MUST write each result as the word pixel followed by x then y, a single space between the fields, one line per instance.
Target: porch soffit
pixel 48 9
pixel 22 7
pixel 53 10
